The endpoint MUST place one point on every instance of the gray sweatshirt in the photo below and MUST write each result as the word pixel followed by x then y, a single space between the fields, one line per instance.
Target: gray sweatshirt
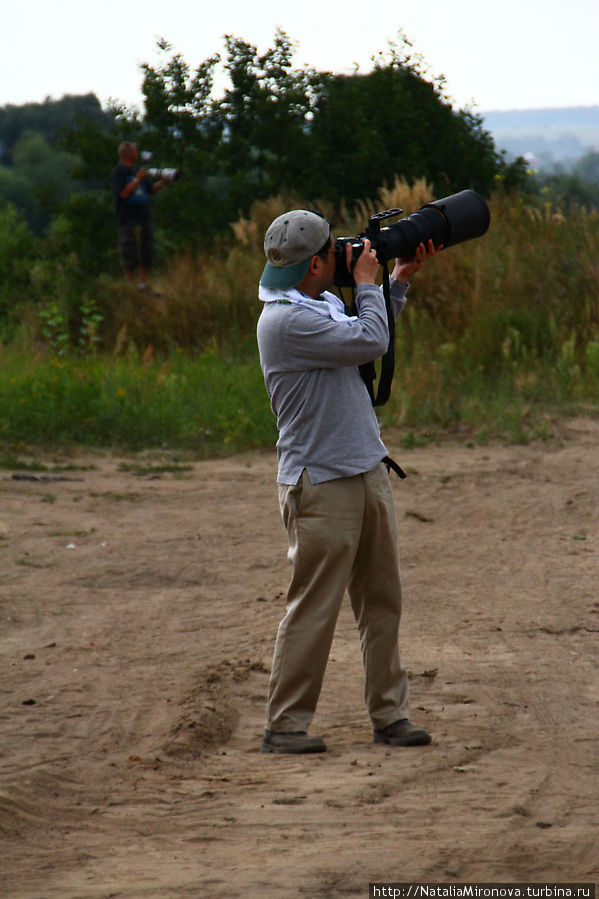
pixel 325 418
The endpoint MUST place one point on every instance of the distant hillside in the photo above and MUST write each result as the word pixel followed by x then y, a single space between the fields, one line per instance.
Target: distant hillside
pixel 547 137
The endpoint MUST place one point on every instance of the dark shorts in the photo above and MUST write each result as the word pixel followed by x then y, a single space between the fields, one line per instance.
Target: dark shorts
pixel 136 243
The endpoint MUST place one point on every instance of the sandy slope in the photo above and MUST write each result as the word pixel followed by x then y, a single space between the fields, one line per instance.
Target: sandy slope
pixel 137 622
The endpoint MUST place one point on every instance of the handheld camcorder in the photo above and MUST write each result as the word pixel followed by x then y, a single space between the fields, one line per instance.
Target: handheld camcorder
pixel 450 221
pixel 164 174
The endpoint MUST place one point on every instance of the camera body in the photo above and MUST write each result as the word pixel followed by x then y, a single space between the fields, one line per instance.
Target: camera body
pixel 452 220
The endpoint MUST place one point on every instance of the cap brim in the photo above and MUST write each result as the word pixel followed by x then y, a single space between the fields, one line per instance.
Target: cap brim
pixel 284 276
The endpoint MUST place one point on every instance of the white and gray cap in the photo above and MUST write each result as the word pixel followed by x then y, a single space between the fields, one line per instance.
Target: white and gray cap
pixel 289 244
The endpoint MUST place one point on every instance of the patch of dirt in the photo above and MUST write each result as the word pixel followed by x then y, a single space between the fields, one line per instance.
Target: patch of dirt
pixel 138 617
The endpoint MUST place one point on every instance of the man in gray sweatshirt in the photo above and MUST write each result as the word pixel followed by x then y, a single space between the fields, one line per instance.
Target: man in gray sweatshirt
pixel 334 490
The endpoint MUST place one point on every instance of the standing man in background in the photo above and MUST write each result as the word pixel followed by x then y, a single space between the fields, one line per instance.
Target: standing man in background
pixel 131 191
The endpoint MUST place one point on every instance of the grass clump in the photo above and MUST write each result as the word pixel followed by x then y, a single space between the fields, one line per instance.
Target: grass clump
pixel 208 404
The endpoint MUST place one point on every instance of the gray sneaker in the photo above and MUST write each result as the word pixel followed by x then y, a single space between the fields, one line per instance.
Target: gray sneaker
pixel 402 733
pixel 296 743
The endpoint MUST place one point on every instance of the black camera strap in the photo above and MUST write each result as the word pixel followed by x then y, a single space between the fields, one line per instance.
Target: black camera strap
pixel 368 370
pixel 392 465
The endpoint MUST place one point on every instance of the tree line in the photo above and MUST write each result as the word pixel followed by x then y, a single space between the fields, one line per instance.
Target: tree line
pixel 277 128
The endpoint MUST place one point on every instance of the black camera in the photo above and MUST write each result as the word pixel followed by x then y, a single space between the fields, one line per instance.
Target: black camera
pixel 446 222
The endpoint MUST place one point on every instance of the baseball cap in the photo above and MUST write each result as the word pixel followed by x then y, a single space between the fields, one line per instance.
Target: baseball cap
pixel 289 244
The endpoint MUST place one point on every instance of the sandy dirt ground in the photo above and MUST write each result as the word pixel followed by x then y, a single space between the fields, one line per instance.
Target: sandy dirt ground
pixel 137 618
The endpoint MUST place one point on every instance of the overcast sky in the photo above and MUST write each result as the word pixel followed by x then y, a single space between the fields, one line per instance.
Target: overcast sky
pixel 514 54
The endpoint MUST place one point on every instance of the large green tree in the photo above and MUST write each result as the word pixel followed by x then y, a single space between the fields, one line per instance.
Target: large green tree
pixel 395 121
pixel 179 129
pixel 325 137
pixel 264 118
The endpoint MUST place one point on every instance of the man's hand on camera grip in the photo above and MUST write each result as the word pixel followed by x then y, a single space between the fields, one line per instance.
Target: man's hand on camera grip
pixel 366 266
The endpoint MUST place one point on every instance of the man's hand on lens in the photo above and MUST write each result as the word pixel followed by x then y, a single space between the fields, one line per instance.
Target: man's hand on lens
pixel 366 265
pixel 407 265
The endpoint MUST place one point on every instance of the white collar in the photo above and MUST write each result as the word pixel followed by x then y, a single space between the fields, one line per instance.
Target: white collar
pixel 328 304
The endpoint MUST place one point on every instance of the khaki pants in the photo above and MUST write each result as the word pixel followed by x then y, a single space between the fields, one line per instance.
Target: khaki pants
pixel 342 534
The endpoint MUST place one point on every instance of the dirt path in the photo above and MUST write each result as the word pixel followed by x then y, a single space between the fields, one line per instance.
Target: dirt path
pixel 138 614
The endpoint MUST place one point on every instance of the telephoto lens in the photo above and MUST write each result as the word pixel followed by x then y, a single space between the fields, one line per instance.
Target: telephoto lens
pixel 447 222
